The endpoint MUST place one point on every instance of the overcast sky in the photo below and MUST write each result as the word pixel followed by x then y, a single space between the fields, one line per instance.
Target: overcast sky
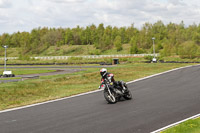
pixel 24 15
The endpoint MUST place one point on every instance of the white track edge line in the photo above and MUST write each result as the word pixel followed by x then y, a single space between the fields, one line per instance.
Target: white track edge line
pixel 174 124
pixel 60 99
pixel 27 106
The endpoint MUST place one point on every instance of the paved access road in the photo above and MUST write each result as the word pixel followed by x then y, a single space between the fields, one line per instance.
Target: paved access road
pixel 157 102
pixel 59 70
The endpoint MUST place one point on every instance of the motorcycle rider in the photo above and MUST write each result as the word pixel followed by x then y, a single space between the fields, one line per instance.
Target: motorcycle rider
pixel 109 77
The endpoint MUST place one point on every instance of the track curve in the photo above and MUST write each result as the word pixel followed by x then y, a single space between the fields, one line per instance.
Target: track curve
pixel 158 101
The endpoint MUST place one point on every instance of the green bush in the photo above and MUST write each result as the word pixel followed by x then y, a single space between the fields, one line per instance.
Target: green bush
pixel 74 60
pixel 167 50
pixel 107 60
pixel 149 58
pixel 118 43
pixel 95 52
pixel 24 57
pixel 123 59
pixel 188 50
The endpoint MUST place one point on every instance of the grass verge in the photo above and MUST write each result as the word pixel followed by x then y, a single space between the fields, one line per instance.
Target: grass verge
pixel 9 78
pixel 52 87
pixel 190 126
pixel 27 71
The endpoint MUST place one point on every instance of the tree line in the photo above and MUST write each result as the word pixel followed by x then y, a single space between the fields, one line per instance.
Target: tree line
pixel 171 38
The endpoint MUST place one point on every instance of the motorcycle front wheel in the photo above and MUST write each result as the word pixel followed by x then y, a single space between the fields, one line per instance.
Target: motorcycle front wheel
pixel 110 98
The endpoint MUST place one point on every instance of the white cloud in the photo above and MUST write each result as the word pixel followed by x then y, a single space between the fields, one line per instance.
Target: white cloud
pixel 20 15
pixel 5 3
pixel 66 1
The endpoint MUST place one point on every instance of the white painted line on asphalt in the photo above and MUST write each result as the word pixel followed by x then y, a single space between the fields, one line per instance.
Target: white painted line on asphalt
pixel 174 124
pixel 27 106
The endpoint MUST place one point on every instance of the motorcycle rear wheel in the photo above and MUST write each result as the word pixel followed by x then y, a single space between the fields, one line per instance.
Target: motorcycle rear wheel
pixel 128 95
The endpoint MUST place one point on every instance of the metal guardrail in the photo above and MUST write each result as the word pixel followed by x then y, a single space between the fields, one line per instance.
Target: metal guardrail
pixel 11 58
pixel 86 56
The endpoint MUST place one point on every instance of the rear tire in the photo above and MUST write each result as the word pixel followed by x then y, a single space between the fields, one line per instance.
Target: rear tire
pixel 110 98
pixel 128 95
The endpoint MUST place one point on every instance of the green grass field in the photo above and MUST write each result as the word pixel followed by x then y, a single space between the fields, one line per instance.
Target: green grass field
pixel 190 126
pixel 69 50
pixel 52 87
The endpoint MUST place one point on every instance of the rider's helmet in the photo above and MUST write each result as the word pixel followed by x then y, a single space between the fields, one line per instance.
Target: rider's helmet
pixel 103 72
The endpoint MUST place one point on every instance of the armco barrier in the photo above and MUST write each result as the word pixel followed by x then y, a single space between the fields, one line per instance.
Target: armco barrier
pixel 86 56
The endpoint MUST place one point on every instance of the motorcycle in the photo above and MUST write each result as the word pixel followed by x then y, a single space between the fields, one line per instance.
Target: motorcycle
pixel 113 94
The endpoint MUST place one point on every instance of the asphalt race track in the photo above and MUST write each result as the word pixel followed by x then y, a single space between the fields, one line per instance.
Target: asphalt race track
pixel 158 102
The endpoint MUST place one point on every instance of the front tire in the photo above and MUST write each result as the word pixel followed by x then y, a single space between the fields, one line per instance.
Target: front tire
pixel 110 98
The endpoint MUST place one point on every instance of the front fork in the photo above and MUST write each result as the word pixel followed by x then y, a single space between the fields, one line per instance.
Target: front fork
pixel 109 90
pixel 111 95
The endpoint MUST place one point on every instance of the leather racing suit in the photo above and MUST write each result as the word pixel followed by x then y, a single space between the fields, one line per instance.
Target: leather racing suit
pixel 109 77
